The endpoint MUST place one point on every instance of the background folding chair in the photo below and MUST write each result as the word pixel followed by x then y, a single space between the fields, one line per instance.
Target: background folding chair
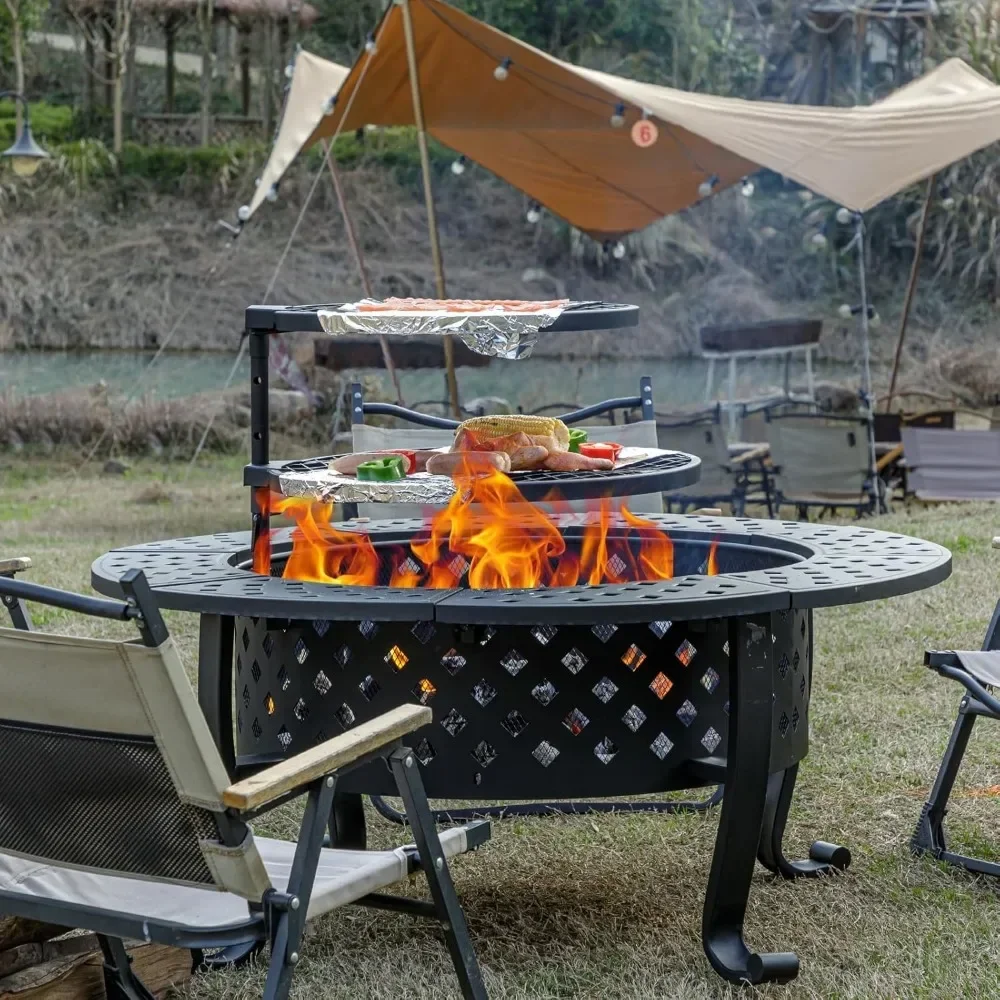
pixel 118 815
pixel 979 673
pixel 9 568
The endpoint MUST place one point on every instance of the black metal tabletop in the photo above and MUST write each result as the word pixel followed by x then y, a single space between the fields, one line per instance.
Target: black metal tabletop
pixel 660 473
pixel 210 574
pixel 577 317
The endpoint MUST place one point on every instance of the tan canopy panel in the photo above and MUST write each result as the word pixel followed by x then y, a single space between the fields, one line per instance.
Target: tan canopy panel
pixel 547 128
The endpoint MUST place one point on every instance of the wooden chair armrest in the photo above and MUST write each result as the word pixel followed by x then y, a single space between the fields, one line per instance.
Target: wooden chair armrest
pixel 15 564
pixel 258 790
pixel 889 457
pixel 753 455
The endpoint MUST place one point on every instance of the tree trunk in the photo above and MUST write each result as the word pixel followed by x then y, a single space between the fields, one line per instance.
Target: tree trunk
pixel 267 78
pixel 207 46
pixel 131 80
pixel 17 40
pixel 245 69
pixel 121 39
pixel 169 43
pixel 108 60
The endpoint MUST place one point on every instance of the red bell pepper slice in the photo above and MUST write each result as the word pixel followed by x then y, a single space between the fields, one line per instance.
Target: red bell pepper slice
pixel 600 449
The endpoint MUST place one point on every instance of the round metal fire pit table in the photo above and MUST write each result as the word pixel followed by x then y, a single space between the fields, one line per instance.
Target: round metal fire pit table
pixel 589 691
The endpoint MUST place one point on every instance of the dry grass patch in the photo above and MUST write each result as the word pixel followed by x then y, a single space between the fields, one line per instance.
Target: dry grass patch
pixel 607 907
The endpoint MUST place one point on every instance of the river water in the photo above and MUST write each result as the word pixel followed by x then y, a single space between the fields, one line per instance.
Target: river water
pixel 677 382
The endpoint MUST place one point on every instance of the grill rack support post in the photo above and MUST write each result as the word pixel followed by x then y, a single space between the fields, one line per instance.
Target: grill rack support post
pixel 260 416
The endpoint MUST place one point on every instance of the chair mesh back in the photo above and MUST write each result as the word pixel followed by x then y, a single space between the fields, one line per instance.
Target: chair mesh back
pixel 820 459
pixel 97 800
pixel 708 442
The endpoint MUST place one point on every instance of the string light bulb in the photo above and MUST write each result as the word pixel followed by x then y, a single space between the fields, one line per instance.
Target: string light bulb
pixel 845 311
pixel 458 166
pixel 329 104
pixel 618 250
pixel 618 116
pixel 747 188
pixel 947 200
pixel 844 215
pixel 371 47
pixel 819 240
pixel 272 193
pixel 805 195
pixel 534 213
pixel 243 213
pixel 503 70
pixel 289 71
pixel 707 186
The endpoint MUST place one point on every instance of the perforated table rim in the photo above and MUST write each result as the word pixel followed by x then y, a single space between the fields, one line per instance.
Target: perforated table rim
pixel 840 565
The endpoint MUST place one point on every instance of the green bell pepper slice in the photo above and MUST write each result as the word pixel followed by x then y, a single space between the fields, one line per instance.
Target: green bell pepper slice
pixel 382 470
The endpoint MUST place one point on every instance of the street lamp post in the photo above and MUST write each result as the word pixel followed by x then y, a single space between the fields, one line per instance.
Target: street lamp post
pixel 25 155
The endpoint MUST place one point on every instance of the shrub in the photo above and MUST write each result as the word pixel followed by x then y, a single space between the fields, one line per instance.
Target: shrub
pixel 50 123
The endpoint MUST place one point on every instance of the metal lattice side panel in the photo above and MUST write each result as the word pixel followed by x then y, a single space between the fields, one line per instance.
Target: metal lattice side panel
pixel 519 711
pixel 792 638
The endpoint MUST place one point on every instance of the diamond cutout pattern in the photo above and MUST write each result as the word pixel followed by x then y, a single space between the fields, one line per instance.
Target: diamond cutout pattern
pixel 633 657
pixel 269 703
pixel 661 685
pixel 545 753
pixel 783 665
pixel 488 633
pixel 268 644
pixel 544 693
pixel 452 661
pixel 604 632
pixel 576 722
pixel 687 713
pixel 301 710
pixel 322 683
pixel 710 680
pixel 396 658
pixel 711 740
pixel 685 652
pixel 483 693
pixel 454 722
pixel 634 718
pixel 424 752
pixel 574 661
pixel 423 631
pixel 255 672
pixel 255 728
pixel 345 715
pixel 513 662
pixel 662 745
pixel 484 754
pixel 321 626
pixel 544 634
pixel 606 751
pixel 783 724
pixel 283 679
pixel 343 655
pixel 369 687
pixel 301 651
pixel 605 689
pixel 660 629
pixel 423 691
pixel 368 629
pixel 284 738
pixel 514 723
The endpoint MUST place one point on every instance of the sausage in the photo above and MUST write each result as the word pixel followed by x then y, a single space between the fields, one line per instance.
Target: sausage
pixel 571 461
pixel 452 462
pixel 529 457
pixel 347 465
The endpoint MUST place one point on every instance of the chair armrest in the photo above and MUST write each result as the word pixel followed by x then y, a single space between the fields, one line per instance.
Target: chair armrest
pixel 889 457
pixel 272 783
pixel 15 564
pixel 753 455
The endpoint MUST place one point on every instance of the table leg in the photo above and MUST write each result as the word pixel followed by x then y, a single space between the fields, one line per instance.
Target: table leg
pixel 215 683
pixel 824 858
pixel 743 804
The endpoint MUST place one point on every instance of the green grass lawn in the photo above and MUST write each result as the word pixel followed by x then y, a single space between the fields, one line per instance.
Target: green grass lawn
pixel 610 906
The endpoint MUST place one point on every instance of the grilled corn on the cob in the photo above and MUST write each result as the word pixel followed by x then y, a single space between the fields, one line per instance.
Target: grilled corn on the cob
pixel 502 425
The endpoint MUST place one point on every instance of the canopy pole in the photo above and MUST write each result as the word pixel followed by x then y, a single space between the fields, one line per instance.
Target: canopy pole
pixel 425 169
pixel 911 287
pixel 866 375
pixel 359 259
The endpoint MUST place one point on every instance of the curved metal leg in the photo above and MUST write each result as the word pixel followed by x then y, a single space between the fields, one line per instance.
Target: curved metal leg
pixel 234 956
pixel 549 809
pixel 747 765
pixel 824 858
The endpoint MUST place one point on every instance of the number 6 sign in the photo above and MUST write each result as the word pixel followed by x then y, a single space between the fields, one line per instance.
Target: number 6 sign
pixel 644 133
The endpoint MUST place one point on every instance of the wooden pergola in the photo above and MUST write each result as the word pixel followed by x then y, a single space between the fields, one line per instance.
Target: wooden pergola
pixel 276 25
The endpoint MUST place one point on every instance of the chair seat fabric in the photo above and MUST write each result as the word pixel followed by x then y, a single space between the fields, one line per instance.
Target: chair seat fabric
pixel 984 666
pixel 342 877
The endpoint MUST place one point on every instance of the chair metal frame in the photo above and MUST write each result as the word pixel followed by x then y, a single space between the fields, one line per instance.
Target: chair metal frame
pixel 279 918
pixel 978 700
pixel 643 402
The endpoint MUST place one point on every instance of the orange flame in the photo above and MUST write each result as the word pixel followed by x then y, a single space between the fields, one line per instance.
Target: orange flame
pixel 487 534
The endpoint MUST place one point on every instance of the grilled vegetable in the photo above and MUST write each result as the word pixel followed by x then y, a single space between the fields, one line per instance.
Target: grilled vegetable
pixel 577 436
pixel 383 470
pixel 601 449
pixel 347 465
pixel 499 426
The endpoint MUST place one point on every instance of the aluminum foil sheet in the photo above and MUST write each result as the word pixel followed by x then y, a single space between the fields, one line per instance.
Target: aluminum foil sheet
pixel 497 334
pixel 327 486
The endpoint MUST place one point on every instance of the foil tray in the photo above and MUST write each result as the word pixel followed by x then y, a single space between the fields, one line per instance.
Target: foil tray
pixel 327 486
pixel 496 334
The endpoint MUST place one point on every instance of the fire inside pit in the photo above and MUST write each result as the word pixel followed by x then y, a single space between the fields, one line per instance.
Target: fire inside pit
pixel 489 538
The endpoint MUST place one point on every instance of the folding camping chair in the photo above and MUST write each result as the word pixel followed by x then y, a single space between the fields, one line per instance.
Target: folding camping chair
pixel 439 432
pixel 118 816
pixel 979 673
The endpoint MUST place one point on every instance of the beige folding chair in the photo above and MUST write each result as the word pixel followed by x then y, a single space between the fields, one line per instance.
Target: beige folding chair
pixel 823 462
pixel 946 464
pixel 117 814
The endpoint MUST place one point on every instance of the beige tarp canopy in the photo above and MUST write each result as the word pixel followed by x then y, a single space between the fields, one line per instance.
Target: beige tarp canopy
pixel 547 130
